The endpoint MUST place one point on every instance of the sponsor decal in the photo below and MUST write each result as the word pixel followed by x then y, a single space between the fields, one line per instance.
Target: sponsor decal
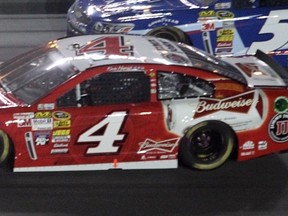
pixel 225 38
pixel 241 104
pixel 61 145
pixel 158 157
pixel 59 151
pixel 224 5
pixel 225 35
pixel 23 119
pixel 61 115
pixel 61 139
pixel 278 128
pixel 61 136
pixel 43 115
pixel 248 145
pixel 150 145
pixel 165 157
pixel 208 26
pixel 262 145
pixel 61 132
pixel 46 106
pixel 26 115
pixel 62 124
pixel 281 104
pixel 248 153
pixel 42 124
pixel 149 157
pixel 41 138
pixel 223 14
pixel 207 14
pixel 24 123
pixel 164 21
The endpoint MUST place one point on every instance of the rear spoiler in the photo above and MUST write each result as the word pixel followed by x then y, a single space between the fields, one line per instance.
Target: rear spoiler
pixel 274 65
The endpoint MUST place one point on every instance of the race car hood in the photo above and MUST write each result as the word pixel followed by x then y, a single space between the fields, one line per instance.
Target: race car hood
pixel 260 70
pixel 113 7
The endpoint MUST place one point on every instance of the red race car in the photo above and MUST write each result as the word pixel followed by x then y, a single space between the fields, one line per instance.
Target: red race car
pixel 99 102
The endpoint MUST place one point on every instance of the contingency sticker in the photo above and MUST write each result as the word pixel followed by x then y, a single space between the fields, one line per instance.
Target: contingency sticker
pixel 278 128
pixel 42 124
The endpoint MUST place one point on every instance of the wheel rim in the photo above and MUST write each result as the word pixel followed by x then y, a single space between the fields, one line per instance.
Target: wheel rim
pixel 206 145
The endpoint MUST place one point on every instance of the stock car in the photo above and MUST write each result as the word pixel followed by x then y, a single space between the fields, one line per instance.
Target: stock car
pixel 100 102
pixel 220 27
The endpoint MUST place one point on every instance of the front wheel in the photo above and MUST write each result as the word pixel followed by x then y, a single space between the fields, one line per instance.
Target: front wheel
pixel 207 145
pixel 5 152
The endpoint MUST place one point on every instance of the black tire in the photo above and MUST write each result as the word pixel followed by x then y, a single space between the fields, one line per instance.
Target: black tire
pixel 170 33
pixel 207 145
pixel 5 152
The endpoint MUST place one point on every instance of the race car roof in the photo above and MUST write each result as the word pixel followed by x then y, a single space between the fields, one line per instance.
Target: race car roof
pixel 96 50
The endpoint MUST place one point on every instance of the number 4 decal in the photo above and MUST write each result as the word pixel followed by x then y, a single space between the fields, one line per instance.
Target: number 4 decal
pixel 112 125
pixel 108 45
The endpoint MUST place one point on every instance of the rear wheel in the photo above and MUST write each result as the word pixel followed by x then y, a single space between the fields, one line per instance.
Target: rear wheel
pixel 207 145
pixel 170 33
pixel 5 152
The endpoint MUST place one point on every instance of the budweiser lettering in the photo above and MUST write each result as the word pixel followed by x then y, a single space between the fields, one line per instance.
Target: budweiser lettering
pixel 209 105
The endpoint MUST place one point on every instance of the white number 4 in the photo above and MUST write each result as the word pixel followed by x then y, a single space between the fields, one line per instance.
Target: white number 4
pixel 112 123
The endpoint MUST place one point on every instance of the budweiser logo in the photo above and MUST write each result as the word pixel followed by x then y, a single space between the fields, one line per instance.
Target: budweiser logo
pixel 163 146
pixel 241 103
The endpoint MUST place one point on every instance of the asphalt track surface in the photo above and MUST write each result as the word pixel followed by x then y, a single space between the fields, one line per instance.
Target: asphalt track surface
pixel 256 187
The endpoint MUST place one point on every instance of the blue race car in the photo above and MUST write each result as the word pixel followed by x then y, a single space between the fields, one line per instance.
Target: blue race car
pixel 223 27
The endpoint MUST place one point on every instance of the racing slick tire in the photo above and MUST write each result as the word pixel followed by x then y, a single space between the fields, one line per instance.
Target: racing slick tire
pixel 5 152
pixel 207 145
pixel 170 33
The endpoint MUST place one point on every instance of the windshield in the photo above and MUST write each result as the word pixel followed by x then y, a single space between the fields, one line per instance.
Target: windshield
pixel 205 61
pixel 34 74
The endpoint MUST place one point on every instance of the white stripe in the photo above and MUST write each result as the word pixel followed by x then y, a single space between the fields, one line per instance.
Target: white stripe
pixel 165 164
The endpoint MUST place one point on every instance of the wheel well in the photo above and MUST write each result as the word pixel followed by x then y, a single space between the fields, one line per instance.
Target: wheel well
pixel 8 163
pixel 171 30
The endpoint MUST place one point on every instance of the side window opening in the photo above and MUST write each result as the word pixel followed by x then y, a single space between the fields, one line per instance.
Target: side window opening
pixel 274 3
pixel 241 4
pixel 109 88
pixel 176 86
